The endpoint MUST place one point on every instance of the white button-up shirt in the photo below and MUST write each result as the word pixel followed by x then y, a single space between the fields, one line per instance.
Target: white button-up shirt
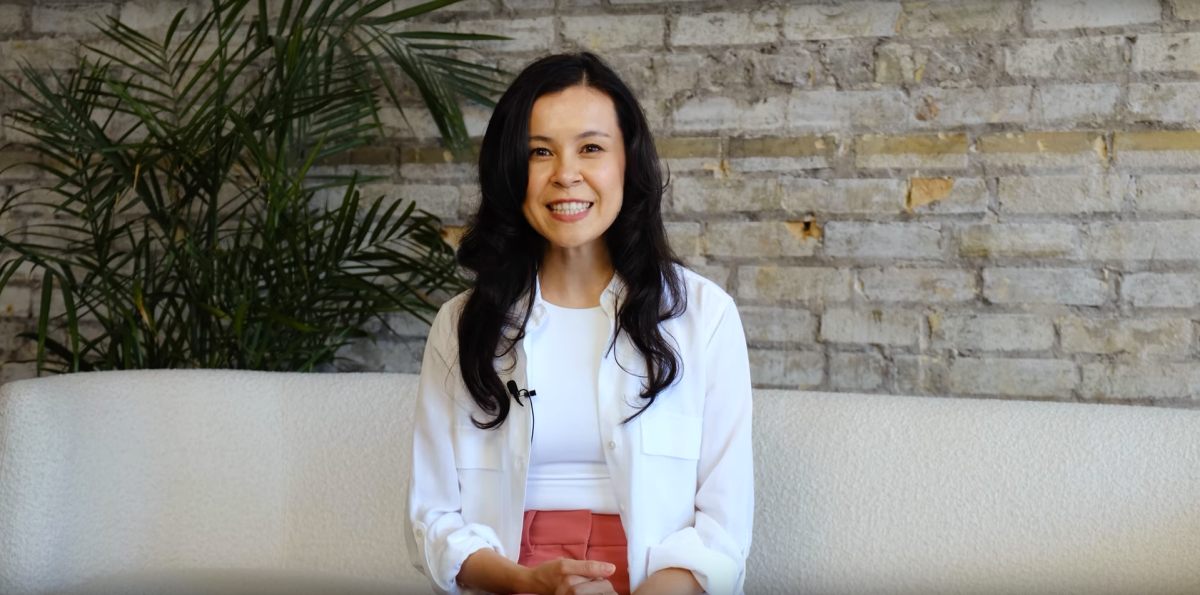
pixel 682 471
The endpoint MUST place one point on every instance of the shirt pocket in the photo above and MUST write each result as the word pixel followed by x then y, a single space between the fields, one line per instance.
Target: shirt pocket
pixel 673 435
pixel 477 449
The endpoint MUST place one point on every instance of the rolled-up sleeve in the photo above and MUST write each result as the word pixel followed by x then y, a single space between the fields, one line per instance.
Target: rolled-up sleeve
pixel 438 538
pixel 716 547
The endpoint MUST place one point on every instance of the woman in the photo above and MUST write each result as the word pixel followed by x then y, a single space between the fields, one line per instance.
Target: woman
pixel 583 423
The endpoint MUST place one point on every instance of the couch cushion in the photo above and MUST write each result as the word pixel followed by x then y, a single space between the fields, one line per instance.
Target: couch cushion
pixel 121 472
pixel 905 495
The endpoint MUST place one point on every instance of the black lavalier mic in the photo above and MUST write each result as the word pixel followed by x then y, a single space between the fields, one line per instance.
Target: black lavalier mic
pixel 517 394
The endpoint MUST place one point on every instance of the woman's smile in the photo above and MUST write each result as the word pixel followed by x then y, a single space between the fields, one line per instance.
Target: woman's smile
pixel 569 210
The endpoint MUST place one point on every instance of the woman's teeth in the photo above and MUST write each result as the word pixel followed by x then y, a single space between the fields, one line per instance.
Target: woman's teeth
pixel 570 208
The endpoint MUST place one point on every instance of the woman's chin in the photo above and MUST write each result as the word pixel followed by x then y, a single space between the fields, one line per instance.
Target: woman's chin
pixel 571 242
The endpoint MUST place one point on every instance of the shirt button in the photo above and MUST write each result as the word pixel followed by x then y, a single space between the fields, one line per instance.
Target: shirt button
pixel 612 445
pixel 420 534
pixel 520 465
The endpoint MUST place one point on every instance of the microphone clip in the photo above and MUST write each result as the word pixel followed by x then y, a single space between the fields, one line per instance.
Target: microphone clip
pixel 518 393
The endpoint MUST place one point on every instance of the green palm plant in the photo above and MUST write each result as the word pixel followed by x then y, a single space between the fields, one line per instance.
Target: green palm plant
pixel 185 177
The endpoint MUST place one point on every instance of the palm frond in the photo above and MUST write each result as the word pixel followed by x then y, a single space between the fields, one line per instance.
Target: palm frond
pixel 181 180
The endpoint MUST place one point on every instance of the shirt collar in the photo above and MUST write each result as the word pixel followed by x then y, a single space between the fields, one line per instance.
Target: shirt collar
pixel 609 300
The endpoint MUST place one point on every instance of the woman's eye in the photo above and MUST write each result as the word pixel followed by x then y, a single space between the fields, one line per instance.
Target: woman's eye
pixel 538 152
pixel 592 148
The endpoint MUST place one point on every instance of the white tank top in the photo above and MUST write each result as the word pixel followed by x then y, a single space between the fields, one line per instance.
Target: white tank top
pixel 567 470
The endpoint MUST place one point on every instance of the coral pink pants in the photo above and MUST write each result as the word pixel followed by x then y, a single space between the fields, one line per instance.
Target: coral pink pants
pixel 578 535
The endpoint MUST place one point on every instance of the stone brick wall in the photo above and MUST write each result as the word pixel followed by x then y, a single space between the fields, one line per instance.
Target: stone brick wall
pixel 993 198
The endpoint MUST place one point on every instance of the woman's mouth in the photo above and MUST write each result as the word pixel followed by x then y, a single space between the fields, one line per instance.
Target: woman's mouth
pixel 569 211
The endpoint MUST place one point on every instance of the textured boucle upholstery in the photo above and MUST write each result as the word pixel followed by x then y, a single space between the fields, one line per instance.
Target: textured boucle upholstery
pixel 119 473
pixel 882 494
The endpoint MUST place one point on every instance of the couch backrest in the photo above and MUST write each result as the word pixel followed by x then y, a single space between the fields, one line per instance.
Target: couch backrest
pixel 101 473
pixel 158 469
pixel 883 494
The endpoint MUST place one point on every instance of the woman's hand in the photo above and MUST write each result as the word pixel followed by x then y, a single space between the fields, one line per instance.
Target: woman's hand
pixel 573 577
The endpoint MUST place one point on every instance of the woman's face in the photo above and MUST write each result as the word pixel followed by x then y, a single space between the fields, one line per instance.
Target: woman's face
pixel 576 167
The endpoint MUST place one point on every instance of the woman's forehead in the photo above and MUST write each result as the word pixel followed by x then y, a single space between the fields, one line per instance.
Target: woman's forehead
pixel 571 113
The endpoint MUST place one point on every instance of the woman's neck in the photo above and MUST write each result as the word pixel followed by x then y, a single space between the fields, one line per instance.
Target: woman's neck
pixel 575 277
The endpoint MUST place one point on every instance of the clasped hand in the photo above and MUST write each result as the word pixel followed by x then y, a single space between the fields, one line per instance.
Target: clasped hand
pixel 574 577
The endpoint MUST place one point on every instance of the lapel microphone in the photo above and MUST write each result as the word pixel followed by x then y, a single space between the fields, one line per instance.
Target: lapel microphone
pixel 517 394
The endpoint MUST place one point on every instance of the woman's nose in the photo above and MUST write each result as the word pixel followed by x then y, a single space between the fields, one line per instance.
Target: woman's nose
pixel 566 172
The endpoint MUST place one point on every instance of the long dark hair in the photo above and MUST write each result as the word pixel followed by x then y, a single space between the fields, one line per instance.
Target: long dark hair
pixel 504 251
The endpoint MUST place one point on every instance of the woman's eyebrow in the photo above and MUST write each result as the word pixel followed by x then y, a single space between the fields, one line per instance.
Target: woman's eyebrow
pixel 586 134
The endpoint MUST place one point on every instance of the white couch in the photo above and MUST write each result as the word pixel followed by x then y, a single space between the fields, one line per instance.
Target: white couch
pixel 291 476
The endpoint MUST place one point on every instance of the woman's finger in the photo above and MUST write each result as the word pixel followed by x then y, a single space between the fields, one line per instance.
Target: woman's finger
pixel 588 568
pixel 591 587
